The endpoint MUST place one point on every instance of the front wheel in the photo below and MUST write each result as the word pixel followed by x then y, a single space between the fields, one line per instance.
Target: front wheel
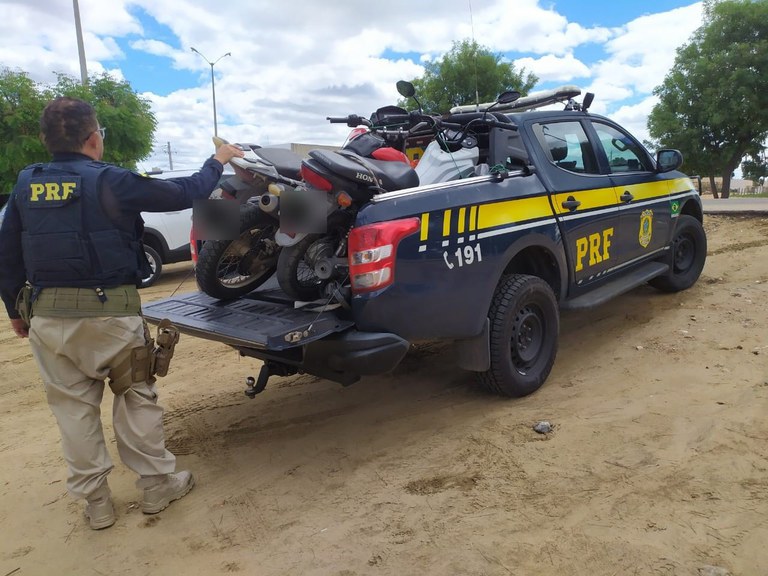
pixel 155 264
pixel 689 252
pixel 524 326
pixel 228 269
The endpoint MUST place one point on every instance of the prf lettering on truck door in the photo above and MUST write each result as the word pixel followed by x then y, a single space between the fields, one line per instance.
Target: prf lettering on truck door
pixel 594 248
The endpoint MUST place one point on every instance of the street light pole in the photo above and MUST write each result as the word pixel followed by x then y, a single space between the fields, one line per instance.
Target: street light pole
pixel 80 47
pixel 213 85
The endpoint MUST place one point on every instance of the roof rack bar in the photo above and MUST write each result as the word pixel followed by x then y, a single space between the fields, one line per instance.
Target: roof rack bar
pixel 530 102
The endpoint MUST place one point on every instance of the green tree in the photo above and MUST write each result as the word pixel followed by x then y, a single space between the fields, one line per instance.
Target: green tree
pixel 466 74
pixel 713 104
pixel 127 117
pixel 755 167
pixel 21 102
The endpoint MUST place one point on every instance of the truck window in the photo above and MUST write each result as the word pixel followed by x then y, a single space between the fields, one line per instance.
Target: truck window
pixel 566 146
pixel 623 152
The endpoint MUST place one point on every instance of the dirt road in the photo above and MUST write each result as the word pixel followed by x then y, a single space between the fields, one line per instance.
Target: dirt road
pixel 657 464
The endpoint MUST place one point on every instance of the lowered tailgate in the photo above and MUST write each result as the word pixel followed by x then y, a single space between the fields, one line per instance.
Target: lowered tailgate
pixel 262 320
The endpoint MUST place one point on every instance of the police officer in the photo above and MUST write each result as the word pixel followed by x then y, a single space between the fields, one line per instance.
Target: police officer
pixel 70 245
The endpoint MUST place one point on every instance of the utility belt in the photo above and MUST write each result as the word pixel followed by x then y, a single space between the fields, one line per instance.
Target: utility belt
pixel 140 364
pixel 80 302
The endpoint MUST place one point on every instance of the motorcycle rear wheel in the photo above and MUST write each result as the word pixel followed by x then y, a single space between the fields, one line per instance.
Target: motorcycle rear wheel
pixel 228 269
pixel 296 267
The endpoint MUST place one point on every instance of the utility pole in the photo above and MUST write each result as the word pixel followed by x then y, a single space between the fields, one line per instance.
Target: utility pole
pixel 80 46
pixel 170 158
pixel 213 85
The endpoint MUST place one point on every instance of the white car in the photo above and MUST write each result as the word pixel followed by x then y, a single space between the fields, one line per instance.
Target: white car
pixel 166 234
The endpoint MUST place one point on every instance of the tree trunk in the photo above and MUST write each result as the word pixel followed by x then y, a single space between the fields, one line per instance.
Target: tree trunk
pixel 725 192
pixel 732 164
pixel 713 186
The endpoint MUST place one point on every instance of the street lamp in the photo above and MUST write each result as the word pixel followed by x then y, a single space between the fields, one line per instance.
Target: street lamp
pixel 80 47
pixel 213 85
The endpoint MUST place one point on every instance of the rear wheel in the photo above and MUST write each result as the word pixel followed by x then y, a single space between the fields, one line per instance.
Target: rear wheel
pixel 296 268
pixel 689 252
pixel 155 263
pixel 524 326
pixel 228 269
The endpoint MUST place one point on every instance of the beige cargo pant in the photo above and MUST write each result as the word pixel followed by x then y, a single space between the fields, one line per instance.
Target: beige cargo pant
pixel 74 356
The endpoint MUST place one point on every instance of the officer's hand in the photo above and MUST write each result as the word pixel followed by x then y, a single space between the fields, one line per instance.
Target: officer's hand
pixel 20 327
pixel 226 152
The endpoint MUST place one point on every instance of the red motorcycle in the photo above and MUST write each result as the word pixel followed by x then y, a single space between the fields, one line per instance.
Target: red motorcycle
pixel 229 268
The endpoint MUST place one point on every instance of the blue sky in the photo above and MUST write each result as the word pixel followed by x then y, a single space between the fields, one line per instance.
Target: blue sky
pixel 297 61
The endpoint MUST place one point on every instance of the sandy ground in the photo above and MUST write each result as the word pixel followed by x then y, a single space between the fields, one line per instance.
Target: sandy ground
pixel 657 464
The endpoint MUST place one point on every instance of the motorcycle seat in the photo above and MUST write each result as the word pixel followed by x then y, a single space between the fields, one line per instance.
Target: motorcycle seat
pixel 389 175
pixel 285 162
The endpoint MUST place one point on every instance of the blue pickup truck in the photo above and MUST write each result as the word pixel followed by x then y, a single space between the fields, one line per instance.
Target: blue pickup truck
pixel 569 211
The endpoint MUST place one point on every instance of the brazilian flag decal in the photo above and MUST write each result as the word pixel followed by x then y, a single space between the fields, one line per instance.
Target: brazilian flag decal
pixel 675 207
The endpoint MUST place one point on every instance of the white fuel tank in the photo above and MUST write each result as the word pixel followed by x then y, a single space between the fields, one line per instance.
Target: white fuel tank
pixel 437 165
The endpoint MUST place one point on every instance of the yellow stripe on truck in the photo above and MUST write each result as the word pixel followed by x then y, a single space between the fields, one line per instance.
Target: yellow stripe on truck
pixel 646 191
pixel 680 185
pixel 511 211
pixel 590 199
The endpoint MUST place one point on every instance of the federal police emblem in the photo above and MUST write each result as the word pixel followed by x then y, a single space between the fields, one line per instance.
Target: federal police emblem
pixel 646 228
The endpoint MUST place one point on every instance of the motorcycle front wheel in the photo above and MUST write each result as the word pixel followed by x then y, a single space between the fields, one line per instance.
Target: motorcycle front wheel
pixel 228 269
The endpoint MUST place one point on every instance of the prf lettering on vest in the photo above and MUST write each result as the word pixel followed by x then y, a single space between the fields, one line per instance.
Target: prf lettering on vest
pixel 52 190
pixel 597 245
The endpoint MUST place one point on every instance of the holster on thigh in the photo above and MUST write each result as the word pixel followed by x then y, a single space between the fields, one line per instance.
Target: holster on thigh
pixel 144 362
pixel 135 367
pixel 24 303
pixel 167 338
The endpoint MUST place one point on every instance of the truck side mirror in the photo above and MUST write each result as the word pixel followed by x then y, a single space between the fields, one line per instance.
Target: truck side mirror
pixel 668 160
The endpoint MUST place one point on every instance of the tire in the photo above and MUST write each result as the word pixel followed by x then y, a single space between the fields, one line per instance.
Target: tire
pixel 228 269
pixel 156 263
pixel 689 252
pixel 524 325
pixel 295 268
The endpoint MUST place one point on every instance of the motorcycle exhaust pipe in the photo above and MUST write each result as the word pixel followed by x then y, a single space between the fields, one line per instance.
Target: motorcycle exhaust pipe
pixel 269 202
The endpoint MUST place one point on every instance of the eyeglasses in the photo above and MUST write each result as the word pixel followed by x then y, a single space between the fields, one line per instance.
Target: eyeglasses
pixel 102 132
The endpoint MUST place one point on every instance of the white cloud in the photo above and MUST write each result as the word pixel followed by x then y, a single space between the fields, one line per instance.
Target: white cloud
pixel 551 68
pixel 635 117
pixel 295 62
pixel 643 51
pixel 154 47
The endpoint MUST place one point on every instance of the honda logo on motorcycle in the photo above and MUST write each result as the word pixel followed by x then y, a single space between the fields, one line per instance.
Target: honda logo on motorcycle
pixel 365 177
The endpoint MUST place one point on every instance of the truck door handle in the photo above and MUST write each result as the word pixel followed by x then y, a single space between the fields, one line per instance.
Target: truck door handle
pixel 627 197
pixel 571 203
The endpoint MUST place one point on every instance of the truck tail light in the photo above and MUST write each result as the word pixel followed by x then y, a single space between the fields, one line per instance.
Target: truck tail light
pixel 372 251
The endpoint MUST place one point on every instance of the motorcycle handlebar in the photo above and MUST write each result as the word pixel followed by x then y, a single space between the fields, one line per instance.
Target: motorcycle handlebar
pixel 353 120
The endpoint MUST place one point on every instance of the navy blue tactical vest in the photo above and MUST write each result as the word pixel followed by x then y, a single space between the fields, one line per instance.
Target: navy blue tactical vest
pixel 67 237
